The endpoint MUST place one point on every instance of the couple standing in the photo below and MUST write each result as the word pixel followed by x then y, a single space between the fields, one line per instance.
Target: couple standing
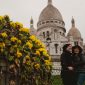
pixel 73 65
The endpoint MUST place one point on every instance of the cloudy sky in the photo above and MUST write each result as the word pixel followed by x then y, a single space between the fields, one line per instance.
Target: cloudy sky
pixel 22 10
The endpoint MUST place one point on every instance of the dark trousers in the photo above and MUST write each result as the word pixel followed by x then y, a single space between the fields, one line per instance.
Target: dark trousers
pixel 81 78
pixel 68 78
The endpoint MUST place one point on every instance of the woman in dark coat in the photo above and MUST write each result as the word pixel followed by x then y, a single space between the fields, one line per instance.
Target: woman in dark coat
pixel 79 64
pixel 67 70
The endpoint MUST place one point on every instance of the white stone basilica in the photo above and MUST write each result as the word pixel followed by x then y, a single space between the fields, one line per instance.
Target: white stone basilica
pixel 51 30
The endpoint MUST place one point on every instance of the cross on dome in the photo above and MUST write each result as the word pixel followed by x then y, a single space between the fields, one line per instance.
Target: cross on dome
pixel 73 22
pixel 49 1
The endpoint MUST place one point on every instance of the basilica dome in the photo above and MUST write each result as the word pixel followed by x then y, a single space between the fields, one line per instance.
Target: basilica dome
pixel 50 13
pixel 74 31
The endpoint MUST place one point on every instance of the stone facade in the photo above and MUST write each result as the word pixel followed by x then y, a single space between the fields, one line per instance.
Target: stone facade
pixel 51 30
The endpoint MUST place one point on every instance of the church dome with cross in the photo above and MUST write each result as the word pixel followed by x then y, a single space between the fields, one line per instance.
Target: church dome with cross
pixel 50 12
pixel 51 16
pixel 74 32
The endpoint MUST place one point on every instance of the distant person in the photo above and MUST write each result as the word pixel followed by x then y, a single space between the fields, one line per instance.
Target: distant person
pixel 79 64
pixel 67 70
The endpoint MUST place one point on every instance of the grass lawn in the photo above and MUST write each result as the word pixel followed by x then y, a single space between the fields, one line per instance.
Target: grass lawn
pixel 56 80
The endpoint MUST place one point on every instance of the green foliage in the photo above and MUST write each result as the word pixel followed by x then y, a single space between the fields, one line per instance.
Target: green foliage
pixel 56 80
pixel 24 53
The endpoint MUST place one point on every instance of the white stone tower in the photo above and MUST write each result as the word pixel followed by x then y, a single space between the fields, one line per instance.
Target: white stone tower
pixel 33 31
pixel 74 35
pixel 51 30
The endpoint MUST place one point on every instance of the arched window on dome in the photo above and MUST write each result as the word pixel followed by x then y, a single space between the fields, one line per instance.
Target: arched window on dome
pixel 63 34
pixel 56 21
pixel 55 30
pixel 47 21
pixel 60 33
pixel 48 33
pixel 43 22
pixel 43 34
pixel 56 48
pixel 39 23
pixel 51 21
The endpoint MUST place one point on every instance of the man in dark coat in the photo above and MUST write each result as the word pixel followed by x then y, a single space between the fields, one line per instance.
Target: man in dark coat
pixel 67 70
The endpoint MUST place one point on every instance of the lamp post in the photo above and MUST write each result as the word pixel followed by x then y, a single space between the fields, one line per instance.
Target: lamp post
pixel 48 41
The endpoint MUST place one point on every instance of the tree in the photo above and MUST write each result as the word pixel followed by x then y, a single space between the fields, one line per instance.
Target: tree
pixel 25 55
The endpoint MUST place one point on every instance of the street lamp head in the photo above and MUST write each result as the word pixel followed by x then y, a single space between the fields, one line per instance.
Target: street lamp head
pixel 48 40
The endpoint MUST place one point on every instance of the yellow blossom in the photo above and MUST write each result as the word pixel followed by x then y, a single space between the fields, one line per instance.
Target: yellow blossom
pixel 29 41
pixel 1 49
pixel 2 44
pixel 49 58
pixel 27 57
pixel 37 53
pixel 19 41
pixel 12 24
pixel 43 45
pixel 48 68
pixel 32 37
pixel 42 50
pixel 19 24
pixel 4 34
pixel 47 62
pixel 15 46
pixel 37 66
pixel 19 54
pixel 28 62
pixel 45 53
pixel 39 43
pixel 26 30
pixel 1 17
pixel 30 45
pixel 13 39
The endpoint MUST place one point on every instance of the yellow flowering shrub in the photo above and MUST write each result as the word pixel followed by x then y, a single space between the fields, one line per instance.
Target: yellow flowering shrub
pixel 37 66
pixel 12 24
pixel 25 51
pixel 13 39
pixel 20 25
pixel 2 44
pixel 4 35
pixel 37 53
pixel 29 45
pixel 1 18
pixel 26 30
pixel 32 37
pixel 19 54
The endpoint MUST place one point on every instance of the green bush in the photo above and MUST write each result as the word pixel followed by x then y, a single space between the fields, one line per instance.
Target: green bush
pixel 56 80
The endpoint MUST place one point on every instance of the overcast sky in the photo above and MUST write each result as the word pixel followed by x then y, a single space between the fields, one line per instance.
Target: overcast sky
pixel 22 10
